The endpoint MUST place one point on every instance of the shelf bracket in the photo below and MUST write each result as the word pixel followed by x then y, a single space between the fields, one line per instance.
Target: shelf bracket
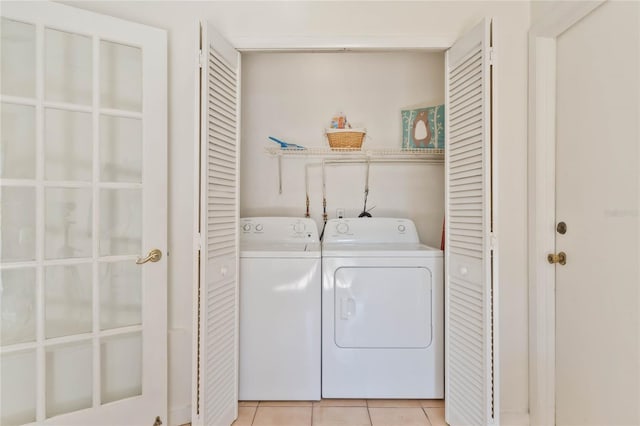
pixel 279 173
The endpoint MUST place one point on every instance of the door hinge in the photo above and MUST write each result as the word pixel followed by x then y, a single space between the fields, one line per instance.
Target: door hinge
pixel 492 56
pixel 197 241
pixel 493 241
pixel 200 58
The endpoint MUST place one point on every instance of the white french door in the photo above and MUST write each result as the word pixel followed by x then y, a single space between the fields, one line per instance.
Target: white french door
pixel 83 182
pixel 470 286
pixel 216 352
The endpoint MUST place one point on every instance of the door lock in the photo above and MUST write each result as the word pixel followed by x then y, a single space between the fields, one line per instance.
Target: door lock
pixel 560 258
pixel 561 228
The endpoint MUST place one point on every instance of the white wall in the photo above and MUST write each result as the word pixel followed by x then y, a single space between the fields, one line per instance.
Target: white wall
pixel 240 21
pixel 293 96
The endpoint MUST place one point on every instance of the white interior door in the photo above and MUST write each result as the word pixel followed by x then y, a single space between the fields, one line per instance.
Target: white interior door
pixel 217 357
pixel 470 287
pixel 83 195
pixel 598 198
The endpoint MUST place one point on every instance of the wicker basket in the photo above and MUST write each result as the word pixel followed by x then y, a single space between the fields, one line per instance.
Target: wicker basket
pixel 346 138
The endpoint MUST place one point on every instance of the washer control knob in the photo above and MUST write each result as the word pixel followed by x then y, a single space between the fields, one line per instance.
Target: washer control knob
pixel 402 228
pixel 259 227
pixel 342 228
pixel 246 227
pixel 299 227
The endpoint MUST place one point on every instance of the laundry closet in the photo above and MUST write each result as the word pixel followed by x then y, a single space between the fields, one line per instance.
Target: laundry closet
pixel 292 95
pixel 390 315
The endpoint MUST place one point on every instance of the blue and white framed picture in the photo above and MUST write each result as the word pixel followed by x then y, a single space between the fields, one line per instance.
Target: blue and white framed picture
pixel 423 128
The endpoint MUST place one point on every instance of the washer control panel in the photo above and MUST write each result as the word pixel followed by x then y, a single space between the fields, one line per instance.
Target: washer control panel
pixel 281 229
pixel 342 228
pixel 371 230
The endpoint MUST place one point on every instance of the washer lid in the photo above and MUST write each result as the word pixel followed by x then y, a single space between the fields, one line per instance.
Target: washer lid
pixel 261 249
pixel 379 250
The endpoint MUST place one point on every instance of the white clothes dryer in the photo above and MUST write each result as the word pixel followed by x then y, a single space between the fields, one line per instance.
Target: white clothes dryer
pixel 280 298
pixel 382 311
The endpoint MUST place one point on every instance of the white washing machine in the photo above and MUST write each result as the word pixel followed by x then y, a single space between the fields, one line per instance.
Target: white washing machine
pixel 382 311
pixel 280 298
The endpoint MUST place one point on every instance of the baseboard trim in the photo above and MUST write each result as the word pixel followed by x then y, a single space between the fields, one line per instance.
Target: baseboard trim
pixel 512 418
pixel 180 415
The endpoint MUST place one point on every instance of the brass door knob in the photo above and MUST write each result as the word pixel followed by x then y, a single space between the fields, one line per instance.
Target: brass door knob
pixel 153 256
pixel 560 258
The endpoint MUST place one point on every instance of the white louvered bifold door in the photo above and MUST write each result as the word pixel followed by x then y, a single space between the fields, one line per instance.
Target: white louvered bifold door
pixel 471 345
pixel 218 300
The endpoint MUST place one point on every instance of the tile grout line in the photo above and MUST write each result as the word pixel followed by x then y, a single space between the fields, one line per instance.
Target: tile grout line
pixel 424 410
pixel 366 401
pixel 255 413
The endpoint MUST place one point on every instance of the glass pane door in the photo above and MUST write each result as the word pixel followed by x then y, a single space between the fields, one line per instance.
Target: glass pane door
pixel 71 191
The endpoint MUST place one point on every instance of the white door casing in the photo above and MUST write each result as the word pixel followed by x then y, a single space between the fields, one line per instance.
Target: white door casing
pixel 471 362
pixel 84 179
pixel 216 352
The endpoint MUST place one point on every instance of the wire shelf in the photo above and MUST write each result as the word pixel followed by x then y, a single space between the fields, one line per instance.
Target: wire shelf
pixel 426 153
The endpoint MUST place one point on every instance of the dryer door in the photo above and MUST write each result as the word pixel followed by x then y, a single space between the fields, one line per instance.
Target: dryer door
pixel 383 307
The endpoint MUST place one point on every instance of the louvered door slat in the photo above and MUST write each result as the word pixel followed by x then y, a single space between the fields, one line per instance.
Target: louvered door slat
pixel 463 61
pixel 468 325
pixel 223 97
pixel 466 171
pixel 469 152
pixel 221 104
pixel 470 336
pixel 469 84
pixel 468 130
pixel 224 137
pixel 223 78
pixel 466 144
pixel 467 97
pixel 221 93
pixel 222 153
pixel 222 165
pixel 459 174
pixel 221 87
pixel 459 164
pixel 471 101
pixel 462 227
pixel 475 406
pixel 475 381
pixel 223 72
pixel 474 115
pixel 463 233
pixel 224 119
pixel 222 108
pixel 219 229
pixel 218 192
pixel 468 67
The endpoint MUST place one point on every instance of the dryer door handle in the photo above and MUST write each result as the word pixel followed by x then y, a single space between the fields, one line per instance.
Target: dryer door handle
pixel 347 308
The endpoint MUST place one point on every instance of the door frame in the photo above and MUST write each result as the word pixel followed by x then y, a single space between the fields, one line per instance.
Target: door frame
pixel 543 35
pixel 321 43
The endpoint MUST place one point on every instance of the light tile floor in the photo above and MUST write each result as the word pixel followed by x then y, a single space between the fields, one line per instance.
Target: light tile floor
pixel 342 412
